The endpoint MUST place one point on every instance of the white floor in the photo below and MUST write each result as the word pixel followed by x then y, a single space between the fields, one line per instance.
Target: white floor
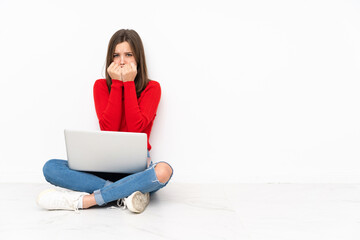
pixel 195 211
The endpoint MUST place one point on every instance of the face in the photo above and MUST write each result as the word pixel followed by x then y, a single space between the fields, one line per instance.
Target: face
pixel 123 54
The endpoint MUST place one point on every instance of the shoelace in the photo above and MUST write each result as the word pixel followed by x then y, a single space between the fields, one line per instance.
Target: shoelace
pixel 73 204
pixel 121 203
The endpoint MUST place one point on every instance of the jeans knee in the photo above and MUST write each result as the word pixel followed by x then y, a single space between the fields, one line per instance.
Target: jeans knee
pixel 50 168
pixel 163 172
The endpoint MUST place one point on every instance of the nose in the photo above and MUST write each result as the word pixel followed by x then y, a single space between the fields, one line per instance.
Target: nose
pixel 122 61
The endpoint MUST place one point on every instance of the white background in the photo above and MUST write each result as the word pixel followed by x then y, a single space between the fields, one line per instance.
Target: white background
pixel 252 91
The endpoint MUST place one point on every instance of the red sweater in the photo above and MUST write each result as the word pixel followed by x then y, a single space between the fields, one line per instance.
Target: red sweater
pixel 121 110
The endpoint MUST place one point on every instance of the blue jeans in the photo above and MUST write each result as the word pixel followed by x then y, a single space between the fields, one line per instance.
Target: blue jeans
pixel 107 187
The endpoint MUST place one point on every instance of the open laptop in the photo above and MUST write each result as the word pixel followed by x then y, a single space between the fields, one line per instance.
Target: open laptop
pixel 106 151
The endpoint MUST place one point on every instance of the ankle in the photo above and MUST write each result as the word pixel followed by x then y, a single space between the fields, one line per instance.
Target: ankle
pixel 88 201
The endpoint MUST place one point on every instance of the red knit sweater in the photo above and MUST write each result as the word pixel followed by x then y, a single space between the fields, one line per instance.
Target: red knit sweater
pixel 121 110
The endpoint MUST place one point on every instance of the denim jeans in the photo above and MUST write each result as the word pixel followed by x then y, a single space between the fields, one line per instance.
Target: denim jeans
pixel 107 187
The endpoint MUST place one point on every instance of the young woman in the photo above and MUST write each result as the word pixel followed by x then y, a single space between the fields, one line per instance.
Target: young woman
pixel 125 101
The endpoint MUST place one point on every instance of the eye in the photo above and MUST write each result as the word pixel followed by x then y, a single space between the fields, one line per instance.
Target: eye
pixel 115 55
pixel 129 55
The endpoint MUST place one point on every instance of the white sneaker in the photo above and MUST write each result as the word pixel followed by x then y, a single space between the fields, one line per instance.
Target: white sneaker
pixel 60 199
pixel 136 202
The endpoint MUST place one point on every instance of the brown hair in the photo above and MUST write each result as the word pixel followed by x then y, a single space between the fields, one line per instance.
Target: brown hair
pixel 134 40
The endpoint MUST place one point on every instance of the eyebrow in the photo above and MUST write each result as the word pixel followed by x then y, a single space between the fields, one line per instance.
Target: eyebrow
pixel 125 52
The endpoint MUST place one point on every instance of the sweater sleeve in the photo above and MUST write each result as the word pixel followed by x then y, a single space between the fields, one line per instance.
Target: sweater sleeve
pixel 108 105
pixel 139 114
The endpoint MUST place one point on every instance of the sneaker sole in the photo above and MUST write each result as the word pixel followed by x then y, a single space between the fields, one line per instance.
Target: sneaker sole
pixel 50 205
pixel 139 202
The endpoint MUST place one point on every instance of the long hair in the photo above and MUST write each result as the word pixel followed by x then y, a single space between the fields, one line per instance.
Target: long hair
pixel 132 37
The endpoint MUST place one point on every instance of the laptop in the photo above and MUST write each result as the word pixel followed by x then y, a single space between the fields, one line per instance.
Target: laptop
pixel 106 151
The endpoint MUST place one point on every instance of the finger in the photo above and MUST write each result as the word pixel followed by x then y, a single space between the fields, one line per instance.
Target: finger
pixel 109 67
pixel 117 68
pixel 112 66
pixel 125 69
pixel 117 75
pixel 134 67
pixel 130 67
pixel 121 74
